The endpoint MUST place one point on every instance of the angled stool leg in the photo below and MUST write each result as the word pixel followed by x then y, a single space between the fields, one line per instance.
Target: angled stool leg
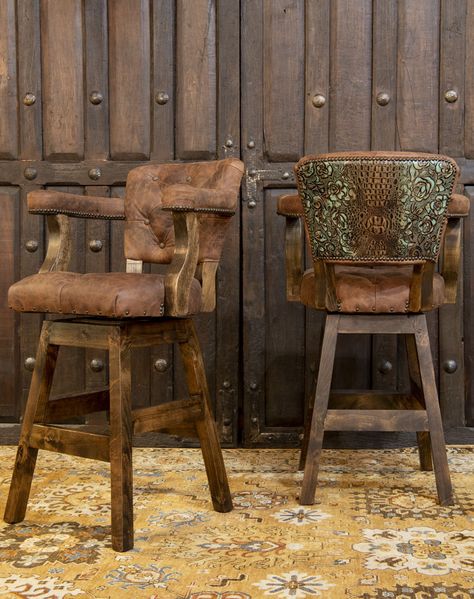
pixel 438 447
pixel 206 427
pixel 422 437
pixel 307 425
pixel 120 443
pixel 38 396
pixel 323 388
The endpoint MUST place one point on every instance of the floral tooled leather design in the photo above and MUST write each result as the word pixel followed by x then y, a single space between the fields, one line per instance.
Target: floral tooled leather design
pixel 375 209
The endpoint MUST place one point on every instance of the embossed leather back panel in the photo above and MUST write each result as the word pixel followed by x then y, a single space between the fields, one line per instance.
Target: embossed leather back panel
pixel 375 207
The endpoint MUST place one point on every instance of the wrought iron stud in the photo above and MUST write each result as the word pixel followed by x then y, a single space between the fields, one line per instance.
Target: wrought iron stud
pixel 450 366
pixel 318 100
pixel 95 245
pixel 227 422
pixel 286 175
pixel 29 363
pixel 384 367
pixel 251 144
pixel 162 98
pixel 451 96
pixel 94 173
pixel 251 203
pixel 31 246
pixel 96 98
pixel 253 386
pixel 30 173
pixel 29 99
pixel 160 365
pixel 96 365
pixel 382 99
pixel 229 143
pixel 226 385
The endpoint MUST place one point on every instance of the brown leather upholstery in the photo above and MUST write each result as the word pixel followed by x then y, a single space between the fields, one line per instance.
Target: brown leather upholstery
pixel 208 187
pixel 459 205
pixel 116 295
pixel 366 289
pixel 57 202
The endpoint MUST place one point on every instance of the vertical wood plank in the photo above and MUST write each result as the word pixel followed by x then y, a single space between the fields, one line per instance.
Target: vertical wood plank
pixel 283 68
pixel 9 375
pixel 8 81
pixel 227 319
pixel 351 71
pixel 418 74
pixel 195 79
pixel 96 261
pixel 97 117
pixel 468 312
pixel 129 79
pixel 469 83
pixel 285 330
pixel 384 76
pixel 62 70
pixel 452 67
pixel 317 48
pixel 163 80
pixel 29 77
pixel 31 235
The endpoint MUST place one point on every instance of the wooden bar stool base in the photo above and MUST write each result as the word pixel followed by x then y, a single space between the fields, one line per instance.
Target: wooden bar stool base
pixel 375 411
pixel 189 417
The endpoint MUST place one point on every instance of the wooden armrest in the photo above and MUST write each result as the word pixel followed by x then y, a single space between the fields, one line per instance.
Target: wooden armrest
pixel 290 205
pixel 57 202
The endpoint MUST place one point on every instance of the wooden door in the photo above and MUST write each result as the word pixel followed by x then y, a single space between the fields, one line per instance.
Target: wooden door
pixel 332 75
pixel 88 90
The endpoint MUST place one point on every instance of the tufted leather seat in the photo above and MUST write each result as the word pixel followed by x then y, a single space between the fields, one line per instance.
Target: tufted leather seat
pixel 112 294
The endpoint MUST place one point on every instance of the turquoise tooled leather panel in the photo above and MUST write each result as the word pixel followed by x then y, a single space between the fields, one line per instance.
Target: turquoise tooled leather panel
pixel 375 210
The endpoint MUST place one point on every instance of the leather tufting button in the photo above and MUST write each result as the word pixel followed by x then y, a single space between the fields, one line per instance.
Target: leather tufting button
pixel 188 179
pixel 155 178
pixel 162 244
pixel 146 221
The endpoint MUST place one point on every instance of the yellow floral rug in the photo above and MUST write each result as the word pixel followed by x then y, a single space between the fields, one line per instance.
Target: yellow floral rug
pixel 375 531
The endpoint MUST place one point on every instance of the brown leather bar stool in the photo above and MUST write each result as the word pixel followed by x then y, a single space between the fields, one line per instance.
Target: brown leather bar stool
pixel 175 214
pixel 376 223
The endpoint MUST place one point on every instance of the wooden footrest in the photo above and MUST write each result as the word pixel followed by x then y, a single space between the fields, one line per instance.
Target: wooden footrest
pixel 376 420
pixel 64 440
pixel 175 414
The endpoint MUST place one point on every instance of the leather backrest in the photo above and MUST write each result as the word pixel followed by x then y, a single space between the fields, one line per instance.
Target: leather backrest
pixel 149 233
pixel 375 207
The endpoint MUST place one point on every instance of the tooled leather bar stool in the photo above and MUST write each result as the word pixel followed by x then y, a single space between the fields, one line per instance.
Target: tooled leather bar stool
pixel 175 214
pixel 376 223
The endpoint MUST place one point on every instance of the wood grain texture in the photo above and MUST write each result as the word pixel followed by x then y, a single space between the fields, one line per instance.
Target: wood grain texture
pixel 8 81
pixel 195 79
pixel 9 267
pixel 317 70
pixel 468 311
pixel 469 85
pixel 283 68
pixel 29 78
pixel 70 442
pixel 351 72
pixel 129 79
pixel 63 73
pixel 418 75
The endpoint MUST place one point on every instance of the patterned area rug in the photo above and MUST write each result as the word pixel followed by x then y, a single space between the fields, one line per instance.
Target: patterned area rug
pixel 375 532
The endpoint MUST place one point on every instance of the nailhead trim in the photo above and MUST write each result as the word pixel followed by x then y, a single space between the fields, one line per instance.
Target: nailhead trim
pixel 74 213
pixel 188 209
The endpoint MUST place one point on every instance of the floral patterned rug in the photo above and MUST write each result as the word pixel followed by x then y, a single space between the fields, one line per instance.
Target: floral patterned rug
pixel 375 531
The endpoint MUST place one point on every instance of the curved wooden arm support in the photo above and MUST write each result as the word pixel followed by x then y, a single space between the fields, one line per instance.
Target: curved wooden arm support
pixel 182 269
pixel 58 253
pixel 206 273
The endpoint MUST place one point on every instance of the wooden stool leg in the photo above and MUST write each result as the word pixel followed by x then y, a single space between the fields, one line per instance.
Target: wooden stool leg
pixel 307 425
pixel 323 388
pixel 423 437
pixel 438 447
pixel 206 428
pixel 120 443
pixel 38 396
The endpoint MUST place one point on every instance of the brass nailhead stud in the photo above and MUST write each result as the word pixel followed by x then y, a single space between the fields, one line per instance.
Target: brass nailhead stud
pixel 94 173
pixel 29 99
pixel 29 363
pixel 31 246
pixel 162 98
pixel 451 96
pixel 95 245
pixel 30 173
pixel 382 99
pixel 96 98
pixel 160 365
pixel 318 100
pixel 96 365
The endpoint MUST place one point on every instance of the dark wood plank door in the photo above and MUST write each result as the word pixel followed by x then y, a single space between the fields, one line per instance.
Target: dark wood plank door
pixel 91 89
pixel 341 75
